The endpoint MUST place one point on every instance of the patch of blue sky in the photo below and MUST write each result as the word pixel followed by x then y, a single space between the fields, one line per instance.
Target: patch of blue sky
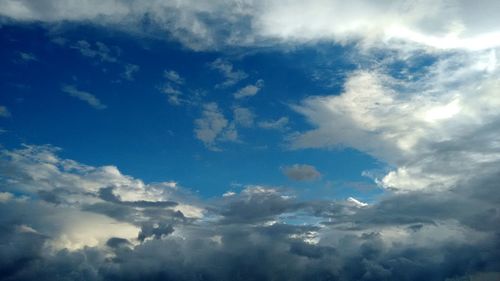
pixel 150 138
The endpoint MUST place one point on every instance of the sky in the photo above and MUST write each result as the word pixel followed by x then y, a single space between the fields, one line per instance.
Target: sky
pixel 249 140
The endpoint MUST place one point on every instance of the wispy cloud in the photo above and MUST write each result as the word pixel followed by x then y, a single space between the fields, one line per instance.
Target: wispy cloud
pixel 173 76
pixel 27 56
pixel 130 71
pixel 231 75
pixel 98 50
pixel 278 124
pixel 83 96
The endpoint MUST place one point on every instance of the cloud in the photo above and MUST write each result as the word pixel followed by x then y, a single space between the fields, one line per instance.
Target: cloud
pixel 248 235
pixel 100 51
pixel 213 127
pixel 227 70
pixel 83 96
pixel 172 93
pixel 130 71
pixel 243 117
pixel 279 124
pixel 249 90
pixel 173 76
pixel 301 172
pixel 356 202
pixel 423 100
pixel 217 24
pixel 4 111
pixel 28 56
pixel 422 127
pixel 172 88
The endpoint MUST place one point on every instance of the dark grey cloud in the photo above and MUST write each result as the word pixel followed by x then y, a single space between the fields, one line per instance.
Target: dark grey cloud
pixel 418 235
pixel 301 172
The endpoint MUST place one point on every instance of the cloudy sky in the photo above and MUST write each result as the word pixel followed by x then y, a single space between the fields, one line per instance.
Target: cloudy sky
pixel 249 140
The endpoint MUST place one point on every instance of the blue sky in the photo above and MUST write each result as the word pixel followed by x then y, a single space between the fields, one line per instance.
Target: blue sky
pixel 136 128
pixel 249 140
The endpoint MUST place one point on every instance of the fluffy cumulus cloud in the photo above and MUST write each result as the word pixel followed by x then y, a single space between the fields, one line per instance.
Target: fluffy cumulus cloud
pixel 67 219
pixel 212 127
pixel 436 128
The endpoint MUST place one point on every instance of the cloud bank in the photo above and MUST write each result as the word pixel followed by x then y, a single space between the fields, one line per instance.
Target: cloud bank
pixel 114 227
pixel 437 24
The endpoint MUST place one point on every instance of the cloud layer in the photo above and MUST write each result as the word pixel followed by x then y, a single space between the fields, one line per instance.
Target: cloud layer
pixel 438 24
pixel 63 218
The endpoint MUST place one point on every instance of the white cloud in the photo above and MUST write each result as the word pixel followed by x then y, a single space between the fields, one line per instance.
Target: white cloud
pixel 6 196
pixel 243 116
pixel 84 96
pixel 173 76
pixel 231 75
pixel 99 51
pixel 301 172
pixel 249 90
pixel 213 127
pixel 356 202
pixel 278 124
pixel 4 111
pixel 172 93
pixel 433 128
pixel 439 24
pixel 172 88
pixel 210 126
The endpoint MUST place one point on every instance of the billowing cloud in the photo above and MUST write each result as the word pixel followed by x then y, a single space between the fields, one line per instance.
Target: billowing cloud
pixel 248 235
pixel 83 96
pixel 301 172
pixel 435 129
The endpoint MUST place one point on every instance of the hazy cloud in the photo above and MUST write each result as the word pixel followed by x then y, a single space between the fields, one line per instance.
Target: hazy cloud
pixel 4 111
pixel 83 96
pixel 130 71
pixel 231 75
pixel 278 124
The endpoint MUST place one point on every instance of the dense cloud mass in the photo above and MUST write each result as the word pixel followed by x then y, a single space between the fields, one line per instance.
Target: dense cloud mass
pixel 423 100
pixel 78 222
pixel 214 24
